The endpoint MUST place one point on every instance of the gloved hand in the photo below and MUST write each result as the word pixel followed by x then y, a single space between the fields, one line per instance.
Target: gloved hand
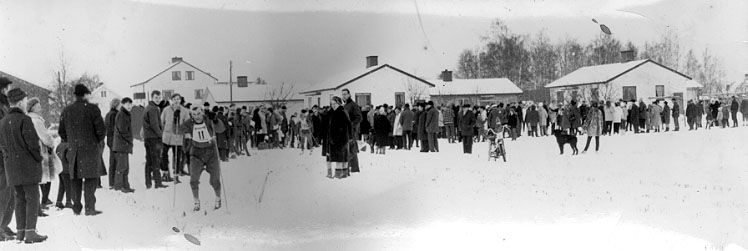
pixel 187 146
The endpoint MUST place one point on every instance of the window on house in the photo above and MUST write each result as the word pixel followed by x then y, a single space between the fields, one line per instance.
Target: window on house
pixel 659 90
pixel 103 94
pixel 595 94
pixel 363 99
pixel 138 95
pixel 399 99
pixel 176 75
pixel 573 95
pixel 629 93
pixel 560 96
pixel 309 101
pixel 190 75
pixel 319 101
pixel 166 94
pixel 199 94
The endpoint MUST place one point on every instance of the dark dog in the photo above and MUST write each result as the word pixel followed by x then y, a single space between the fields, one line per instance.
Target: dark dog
pixel 562 138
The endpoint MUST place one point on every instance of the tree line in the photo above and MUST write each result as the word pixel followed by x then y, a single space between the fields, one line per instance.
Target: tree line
pixel 533 61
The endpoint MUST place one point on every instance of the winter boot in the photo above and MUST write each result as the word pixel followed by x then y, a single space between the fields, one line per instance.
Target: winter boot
pixel 59 205
pixel 8 231
pixel 21 234
pixel 92 212
pixel 32 236
pixel 6 237
pixel 329 173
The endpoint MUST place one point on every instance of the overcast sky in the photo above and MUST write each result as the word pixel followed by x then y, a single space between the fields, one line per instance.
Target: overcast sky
pixel 127 42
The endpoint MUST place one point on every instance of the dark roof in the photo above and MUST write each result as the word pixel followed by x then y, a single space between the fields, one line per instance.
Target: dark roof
pixel 172 66
pixel 599 74
pixel 345 79
pixel 22 82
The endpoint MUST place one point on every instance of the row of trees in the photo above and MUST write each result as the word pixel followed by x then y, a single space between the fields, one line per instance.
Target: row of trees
pixel 533 61
pixel 62 87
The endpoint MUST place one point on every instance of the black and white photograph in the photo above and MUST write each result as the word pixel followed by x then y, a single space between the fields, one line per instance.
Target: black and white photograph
pixel 374 125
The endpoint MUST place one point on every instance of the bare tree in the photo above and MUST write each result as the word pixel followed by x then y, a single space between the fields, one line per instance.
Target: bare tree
pixel 279 95
pixel 415 90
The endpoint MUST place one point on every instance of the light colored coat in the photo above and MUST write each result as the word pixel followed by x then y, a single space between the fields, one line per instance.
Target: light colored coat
pixel 398 129
pixel 543 114
pixel 617 114
pixel 172 133
pixel 51 164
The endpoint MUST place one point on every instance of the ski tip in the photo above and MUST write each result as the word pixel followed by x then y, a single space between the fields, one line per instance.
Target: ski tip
pixel 192 239
pixel 175 229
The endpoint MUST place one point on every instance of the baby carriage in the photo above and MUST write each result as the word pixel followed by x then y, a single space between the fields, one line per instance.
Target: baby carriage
pixel 496 146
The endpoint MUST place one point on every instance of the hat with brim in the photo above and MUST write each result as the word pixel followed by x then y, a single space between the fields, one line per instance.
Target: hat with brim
pixel 81 90
pixel 16 95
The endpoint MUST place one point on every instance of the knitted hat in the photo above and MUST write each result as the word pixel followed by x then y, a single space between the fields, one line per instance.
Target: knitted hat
pixel 5 82
pixel 16 95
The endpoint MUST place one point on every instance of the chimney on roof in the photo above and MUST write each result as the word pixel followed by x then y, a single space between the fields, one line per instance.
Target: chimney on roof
pixel 446 76
pixel 371 61
pixel 627 56
pixel 176 59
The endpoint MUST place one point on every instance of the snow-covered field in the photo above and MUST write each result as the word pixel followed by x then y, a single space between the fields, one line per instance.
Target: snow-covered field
pixel 667 191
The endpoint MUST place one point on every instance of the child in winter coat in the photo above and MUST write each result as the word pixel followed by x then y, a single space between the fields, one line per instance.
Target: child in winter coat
pixel 305 131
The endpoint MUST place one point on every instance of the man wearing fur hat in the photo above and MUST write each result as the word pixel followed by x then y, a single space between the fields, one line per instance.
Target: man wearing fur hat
pixel 82 126
pixel 7 200
pixel 23 160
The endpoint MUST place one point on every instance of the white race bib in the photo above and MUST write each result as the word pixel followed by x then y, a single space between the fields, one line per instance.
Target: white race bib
pixel 200 133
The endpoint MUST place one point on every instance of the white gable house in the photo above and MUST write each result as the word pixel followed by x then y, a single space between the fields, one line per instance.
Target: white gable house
pixel 179 77
pixel 633 80
pixel 374 85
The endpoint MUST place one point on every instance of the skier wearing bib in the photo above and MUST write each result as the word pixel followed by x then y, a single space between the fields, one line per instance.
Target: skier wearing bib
pixel 200 144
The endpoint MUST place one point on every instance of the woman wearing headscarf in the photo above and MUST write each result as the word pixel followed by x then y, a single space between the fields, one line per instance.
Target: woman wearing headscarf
pixel 593 126
pixel 47 145
pixel 338 136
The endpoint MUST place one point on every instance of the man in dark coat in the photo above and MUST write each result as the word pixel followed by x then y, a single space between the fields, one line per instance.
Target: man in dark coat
pixel 576 118
pixel 467 122
pixel 634 116
pixel 316 124
pixel 123 147
pixel 152 132
pixel 416 122
pixel 23 165
pixel 734 111
pixel 676 114
pixel 109 121
pixel 406 119
pixel 422 134
pixel 690 115
pixel 354 115
pixel 7 199
pixel 666 116
pixel 432 126
pixel 83 128
pixel 339 135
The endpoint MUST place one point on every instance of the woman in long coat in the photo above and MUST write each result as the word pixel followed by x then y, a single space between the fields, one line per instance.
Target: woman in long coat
pixel 656 115
pixel 543 114
pixel 338 136
pixel 553 115
pixel 532 118
pixel 593 126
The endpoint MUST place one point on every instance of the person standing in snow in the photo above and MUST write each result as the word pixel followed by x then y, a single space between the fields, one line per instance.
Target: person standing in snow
pixel 725 115
pixel 64 190
pixel 617 116
pixel 201 145
pixel 23 161
pixel 543 115
pixel 608 117
pixel 744 109
pixel 305 131
pixel 432 126
pixel 7 199
pixel 397 129
pixel 634 116
pixel 122 147
pixel 171 117
pixel 422 132
pixel 666 117
pixel 467 122
pixel 82 126
pixel 676 114
pixel 406 121
pixel 339 137
pixel 354 115
pixel 734 111
pixel 533 118
pixel 152 132
pixel 382 129
pixel 593 126
pixel 109 124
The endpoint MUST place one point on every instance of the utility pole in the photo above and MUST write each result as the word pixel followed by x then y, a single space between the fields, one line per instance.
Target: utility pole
pixel 231 87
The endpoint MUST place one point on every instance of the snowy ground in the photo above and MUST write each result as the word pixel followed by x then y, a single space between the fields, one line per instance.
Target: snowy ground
pixel 668 191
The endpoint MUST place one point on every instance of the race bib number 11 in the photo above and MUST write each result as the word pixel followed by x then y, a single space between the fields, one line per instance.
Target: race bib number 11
pixel 200 133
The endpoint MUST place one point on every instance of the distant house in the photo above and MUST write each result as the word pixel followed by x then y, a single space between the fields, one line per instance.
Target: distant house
pixel 102 96
pixel 484 91
pixel 253 95
pixel 44 95
pixel 373 85
pixel 178 77
pixel 629 80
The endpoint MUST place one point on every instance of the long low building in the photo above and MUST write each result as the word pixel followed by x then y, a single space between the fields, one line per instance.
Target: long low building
pixel 484 91
pixel 254 95
pixel 631 80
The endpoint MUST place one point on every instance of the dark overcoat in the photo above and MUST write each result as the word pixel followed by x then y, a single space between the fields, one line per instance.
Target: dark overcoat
pixel 338 135
pixel 20 146
pixel 83 128
pixel 432 120
pixel 406 118
pixel 422 125
pixel 467 122
pixel 123 132
pixel 109 121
